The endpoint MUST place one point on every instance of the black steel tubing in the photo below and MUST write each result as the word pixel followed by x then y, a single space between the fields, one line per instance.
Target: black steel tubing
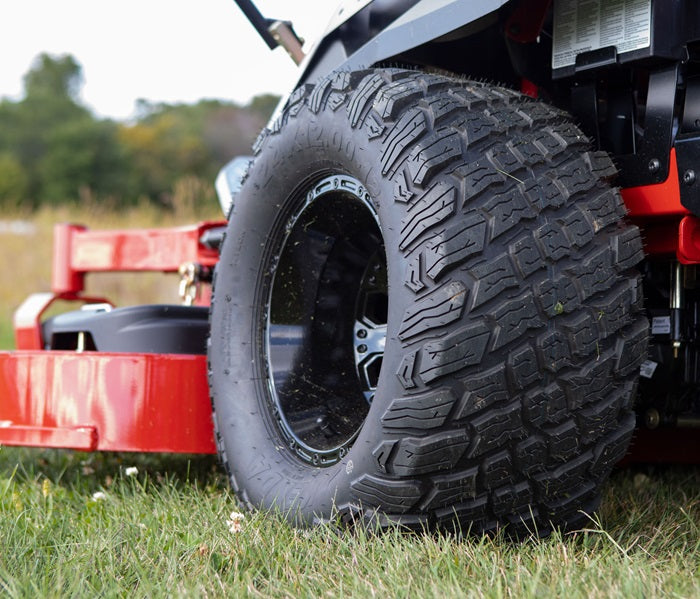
pixel 256 19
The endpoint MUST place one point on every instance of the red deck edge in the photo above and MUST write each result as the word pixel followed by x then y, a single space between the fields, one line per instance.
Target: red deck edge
pixel 102 401
pixel 659 199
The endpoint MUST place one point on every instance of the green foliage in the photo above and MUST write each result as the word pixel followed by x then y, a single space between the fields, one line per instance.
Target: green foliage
pixel 59 77
pixel 264 104
pixel 13 181
pixel 82 153
pixel 53 150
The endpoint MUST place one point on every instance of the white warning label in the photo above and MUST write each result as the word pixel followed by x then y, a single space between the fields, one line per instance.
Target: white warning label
pixel 661 325
pixel 584 25
pixel 647 369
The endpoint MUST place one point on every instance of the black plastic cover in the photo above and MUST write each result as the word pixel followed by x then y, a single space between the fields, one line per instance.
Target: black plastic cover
pixel 161 329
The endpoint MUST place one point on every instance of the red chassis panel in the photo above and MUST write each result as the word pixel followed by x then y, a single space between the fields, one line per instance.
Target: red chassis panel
pixel 106 401
pixel 78 251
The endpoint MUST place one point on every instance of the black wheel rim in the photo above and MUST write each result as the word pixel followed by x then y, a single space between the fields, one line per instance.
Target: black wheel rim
pixel 326 319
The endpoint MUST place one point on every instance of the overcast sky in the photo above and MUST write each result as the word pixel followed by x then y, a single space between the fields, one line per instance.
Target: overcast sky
pixel 160 50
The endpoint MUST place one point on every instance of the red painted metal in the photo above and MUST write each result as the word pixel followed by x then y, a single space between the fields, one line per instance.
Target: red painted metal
pixel 658 200
pixel 689 240
pixel 529 88
pixel 103 401
pixel 27 318
pixel 106 401
pixel 64 280
pixel 78 251
pixel 83 438
pixel 525 24
pixel 660 238
pixel 668 227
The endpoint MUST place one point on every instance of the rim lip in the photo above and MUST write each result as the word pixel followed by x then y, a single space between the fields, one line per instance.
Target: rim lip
pixel 329 184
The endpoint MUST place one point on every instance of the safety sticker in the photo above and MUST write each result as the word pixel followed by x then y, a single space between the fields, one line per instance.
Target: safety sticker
pixel 661 325
pixel 647 369
pixel 584 25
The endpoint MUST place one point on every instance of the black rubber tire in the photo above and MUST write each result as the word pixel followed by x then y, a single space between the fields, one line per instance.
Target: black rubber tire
pixel 515 322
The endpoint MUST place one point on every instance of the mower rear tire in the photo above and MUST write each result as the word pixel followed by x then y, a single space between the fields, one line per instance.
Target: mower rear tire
pixel 469 239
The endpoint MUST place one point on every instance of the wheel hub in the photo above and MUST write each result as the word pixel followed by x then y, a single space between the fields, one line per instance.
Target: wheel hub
pixel 326 320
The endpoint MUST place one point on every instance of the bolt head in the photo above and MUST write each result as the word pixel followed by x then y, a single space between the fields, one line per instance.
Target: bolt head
pixel 652 418
pixel 689 177
pixel 654 165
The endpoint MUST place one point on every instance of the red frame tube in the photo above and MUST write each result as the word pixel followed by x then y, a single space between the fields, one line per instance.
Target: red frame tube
pixel 78 251
pixel 668 227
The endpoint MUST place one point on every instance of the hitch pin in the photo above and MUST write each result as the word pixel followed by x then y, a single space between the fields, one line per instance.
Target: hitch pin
pixel 189 279
pixel 677 301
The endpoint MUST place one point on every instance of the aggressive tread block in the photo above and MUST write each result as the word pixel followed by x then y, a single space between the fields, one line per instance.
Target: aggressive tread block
pixel 451 489
pixel 514 317
pixel 439 308
pixel 434 453
pixel 436 205
pixel 454 245
pixel 463 348
pixel 403 134
pixel 433 154
pixel 389 495
pixel 425 411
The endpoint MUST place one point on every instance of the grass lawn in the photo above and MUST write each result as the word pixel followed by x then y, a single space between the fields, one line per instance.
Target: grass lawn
pixel 85 524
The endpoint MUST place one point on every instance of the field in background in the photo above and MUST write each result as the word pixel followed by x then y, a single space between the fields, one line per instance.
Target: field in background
pixel 26 244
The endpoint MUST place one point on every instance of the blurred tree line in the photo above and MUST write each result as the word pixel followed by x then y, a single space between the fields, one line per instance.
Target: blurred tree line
pixel 54 150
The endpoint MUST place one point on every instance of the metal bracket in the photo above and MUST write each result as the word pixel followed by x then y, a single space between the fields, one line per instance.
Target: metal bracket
pixel 285 37
pixel 688 155
pixel 650 161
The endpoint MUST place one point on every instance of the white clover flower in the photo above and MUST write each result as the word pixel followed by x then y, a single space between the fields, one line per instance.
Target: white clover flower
pixel 99 496
pixel 131 471
pixel 235 522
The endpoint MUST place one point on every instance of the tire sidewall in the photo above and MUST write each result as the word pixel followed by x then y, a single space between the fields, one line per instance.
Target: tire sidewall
pixel 308 148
